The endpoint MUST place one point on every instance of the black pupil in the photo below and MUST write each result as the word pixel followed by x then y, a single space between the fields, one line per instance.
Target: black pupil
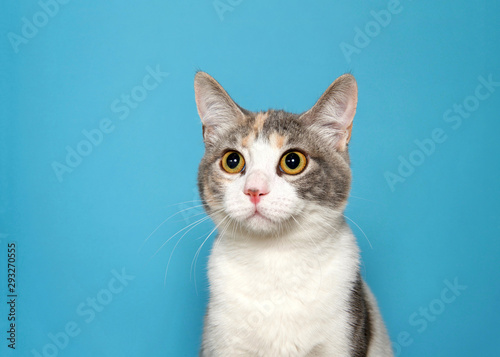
pixel 233 160
pixel 292 160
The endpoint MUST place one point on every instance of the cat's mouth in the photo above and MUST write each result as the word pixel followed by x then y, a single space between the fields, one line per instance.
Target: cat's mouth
pixel 258 222
pixel 259 215
pixel 264 217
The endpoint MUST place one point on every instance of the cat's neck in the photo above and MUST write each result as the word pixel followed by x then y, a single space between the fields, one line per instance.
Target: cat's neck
pixel 298 255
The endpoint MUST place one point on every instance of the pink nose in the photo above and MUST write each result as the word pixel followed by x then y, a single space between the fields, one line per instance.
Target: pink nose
pixel 255 194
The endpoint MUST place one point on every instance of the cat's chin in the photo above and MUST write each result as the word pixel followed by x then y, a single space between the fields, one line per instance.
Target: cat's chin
pixel 260 225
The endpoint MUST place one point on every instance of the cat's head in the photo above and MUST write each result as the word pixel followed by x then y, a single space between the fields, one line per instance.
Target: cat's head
pixel 269 171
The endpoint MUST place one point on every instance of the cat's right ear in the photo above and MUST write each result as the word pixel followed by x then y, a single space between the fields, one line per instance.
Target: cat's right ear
pixel 218 112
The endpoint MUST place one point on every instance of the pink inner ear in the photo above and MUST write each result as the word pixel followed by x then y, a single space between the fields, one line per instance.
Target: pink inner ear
pixel 347 109
pixel 349 131
pixel 348 117
pixel 335 110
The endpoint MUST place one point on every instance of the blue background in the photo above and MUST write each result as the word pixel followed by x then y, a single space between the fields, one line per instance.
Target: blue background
pixel 438 223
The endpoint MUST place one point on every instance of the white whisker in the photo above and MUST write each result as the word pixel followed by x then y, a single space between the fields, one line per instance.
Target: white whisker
pixel 361 198
pixel 191 216
pixel 202 244
pixel 305 230
pixel 359 229
pixel 162 223
pixel 219 238
pixel 181 203
pixel 201 220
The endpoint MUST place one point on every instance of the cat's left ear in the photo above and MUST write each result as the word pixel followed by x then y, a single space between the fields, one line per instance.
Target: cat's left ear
pixel 218 112
pixel 333 113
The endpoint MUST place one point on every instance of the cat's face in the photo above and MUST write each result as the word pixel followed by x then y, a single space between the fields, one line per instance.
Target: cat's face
pixel 268 171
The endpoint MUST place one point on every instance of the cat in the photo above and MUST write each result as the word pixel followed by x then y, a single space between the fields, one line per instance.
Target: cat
pixel 284 270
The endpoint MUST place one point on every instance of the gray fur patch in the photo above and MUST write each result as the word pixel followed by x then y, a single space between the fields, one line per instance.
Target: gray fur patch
pixel 360 320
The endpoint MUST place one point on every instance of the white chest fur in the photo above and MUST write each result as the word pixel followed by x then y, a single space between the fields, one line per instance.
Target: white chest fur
pixel 281 299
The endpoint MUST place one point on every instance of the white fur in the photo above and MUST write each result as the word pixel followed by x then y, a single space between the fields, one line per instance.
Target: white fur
pixel 280 281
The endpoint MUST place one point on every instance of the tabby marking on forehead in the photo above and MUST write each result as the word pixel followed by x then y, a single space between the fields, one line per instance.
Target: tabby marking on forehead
pixel 260 119
pixel 277 140
pixel 248 140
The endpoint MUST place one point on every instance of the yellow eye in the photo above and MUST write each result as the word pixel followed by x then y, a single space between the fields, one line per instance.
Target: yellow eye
pixel 233 162
pixel 293 162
